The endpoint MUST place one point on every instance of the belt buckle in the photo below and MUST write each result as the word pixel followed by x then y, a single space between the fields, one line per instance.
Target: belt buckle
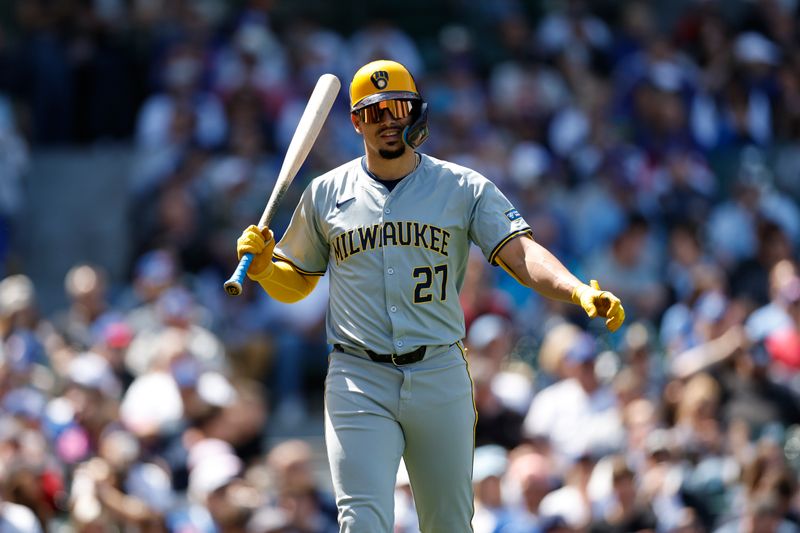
pixel 395 363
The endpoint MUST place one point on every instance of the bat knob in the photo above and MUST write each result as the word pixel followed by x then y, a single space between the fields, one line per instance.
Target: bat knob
pixel 233 288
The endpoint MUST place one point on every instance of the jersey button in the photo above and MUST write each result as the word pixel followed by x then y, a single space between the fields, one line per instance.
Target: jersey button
pixel 393 309
pixel 387 210
pixel 390 270
pixel 399 344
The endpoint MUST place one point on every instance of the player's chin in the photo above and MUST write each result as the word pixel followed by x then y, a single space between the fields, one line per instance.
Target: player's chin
pixel 393 152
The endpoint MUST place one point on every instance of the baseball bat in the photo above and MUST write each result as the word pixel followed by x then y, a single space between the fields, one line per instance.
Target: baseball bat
pixel 316 111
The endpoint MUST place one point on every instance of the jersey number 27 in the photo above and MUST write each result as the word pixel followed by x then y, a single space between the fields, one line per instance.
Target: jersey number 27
pixel 423 292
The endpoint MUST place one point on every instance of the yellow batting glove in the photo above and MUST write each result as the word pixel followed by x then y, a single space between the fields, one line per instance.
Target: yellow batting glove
pixel 260 243
pixel 601 303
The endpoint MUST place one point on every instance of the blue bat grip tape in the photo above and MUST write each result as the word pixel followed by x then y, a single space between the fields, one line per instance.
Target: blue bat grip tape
pixel 234 285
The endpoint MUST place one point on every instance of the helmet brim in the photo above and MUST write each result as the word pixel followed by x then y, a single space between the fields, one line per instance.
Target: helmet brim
pixel 379 97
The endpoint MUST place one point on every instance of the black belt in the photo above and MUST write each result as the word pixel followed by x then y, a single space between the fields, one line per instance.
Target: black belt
pixel 396 359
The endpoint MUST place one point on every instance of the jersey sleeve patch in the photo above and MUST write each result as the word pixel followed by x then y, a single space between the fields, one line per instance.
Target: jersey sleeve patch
pixel 512 214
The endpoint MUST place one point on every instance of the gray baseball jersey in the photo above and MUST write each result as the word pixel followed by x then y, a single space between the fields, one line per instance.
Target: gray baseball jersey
pixel 397 259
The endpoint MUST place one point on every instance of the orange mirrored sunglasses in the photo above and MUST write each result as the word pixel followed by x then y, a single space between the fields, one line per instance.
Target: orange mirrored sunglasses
pixel 372 113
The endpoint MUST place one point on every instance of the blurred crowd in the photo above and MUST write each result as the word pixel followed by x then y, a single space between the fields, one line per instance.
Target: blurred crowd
pixel 657 154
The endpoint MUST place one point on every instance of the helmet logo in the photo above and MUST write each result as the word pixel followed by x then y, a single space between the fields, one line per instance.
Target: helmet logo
pixel 380 79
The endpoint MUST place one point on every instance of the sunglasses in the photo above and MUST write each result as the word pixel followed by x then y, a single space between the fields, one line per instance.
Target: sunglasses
pixel 397 108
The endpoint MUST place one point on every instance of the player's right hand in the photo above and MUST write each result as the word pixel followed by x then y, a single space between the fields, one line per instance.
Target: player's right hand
pixel 260 243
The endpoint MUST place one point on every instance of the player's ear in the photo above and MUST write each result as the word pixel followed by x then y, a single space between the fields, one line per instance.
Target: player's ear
pixel 356 123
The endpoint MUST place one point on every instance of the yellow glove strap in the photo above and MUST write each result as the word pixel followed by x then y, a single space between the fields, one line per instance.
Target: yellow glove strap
pixel 577 292
pixel 264 274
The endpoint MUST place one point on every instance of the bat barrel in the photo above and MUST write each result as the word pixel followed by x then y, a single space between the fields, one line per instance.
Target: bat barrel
pixel 317 109
pixel 234 285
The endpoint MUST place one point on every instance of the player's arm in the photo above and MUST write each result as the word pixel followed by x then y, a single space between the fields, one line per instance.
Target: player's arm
pixel 534 266
pixel 280 279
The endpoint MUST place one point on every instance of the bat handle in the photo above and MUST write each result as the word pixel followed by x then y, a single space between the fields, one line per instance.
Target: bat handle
pixel 234 285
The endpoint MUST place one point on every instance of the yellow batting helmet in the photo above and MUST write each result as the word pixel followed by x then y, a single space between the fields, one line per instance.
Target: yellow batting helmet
pixel 389 80
pixel 381 80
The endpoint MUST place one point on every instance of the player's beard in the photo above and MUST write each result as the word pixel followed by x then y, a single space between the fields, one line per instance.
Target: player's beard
pixel 393 154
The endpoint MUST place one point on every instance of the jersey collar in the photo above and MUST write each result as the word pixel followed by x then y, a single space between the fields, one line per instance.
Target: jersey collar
pixel 376 180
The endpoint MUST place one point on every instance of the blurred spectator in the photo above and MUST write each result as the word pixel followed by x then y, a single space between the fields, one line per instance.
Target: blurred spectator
pixel 497 422
pixel 574 27
pixel 238 181
pixel 660 476
pixel 176 218
pixel 766 474
pixel 478 295
pixel 491 463
pixel 784 292
pixel 749 280
pixel 315 50
pixel 179 320
pixel 381 39
pixel 528 479
pixel 733 224
pixel 297 355
pixel 153 273
pixel 640 419
pixel 219 499
pixel 235 412
pixel 658 110
pixel 753 397
pixel 82 323
pixel 591 230
pixel 552 352
pixel 572 500
pixel 640 355
pixel 684 187
pixel 699 434
pixel 92 392
pixel 750 97
pixel 18 518
pixel 25 485
pixel 577 414
pixel 697 407
pixel 22 345
pixel 687 259
pixel 637 23
pixel 630 267
pixel 704 331
pixel 627 512
pixel 760 514
pixel 182 93
pixel 115 338
pixel 298 490
pixel 151 406
pixel 490 342
pixel 100 497
pixel 255 61
pixel 29 473
pixel 525 91
pixel 783 346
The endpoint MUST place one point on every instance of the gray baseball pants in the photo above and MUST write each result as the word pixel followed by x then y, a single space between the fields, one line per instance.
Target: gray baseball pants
pixel 377 412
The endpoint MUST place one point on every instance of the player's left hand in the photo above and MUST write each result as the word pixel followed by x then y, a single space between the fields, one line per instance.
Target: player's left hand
pixel 601 303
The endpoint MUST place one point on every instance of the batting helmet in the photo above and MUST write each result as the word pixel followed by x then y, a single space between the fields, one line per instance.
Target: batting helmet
pixel 388 80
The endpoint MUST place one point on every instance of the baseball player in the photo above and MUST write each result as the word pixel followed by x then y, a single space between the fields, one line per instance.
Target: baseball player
pixel 393 231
